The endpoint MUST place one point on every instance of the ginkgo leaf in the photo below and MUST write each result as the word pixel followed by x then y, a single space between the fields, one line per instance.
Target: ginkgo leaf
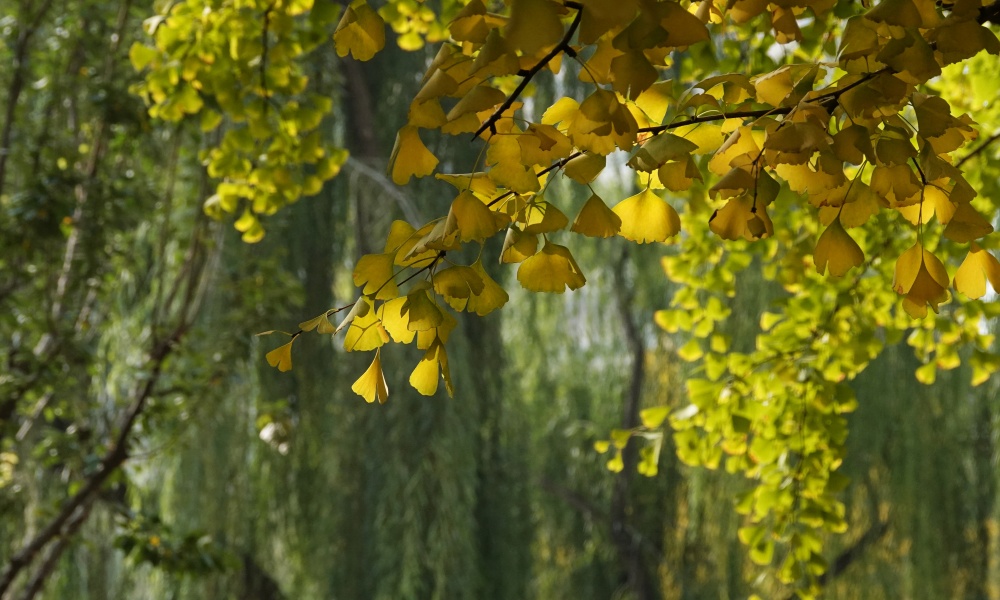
pixel 741 217
pixel 595 219
pixel 518 245
pixel 683 28
pixel 922 278
pixel 967 224
pixel 321 324
pixel 647 218
pixel 680 175
pixel 478 183
pixel 539 216
pixel 458 283
pixel 534 26
pixel 420 309
pixel 490 298
pixel 837 251
pixel 281 357
pixel 410 157
pixel 470 24
pixel 399 232
pixel 395 322
pixel 585 168
pixel 978 267
pixel 375 273
pixel 935 202
pixel 474 220
pixel 478 99
pixel 371 385
pixel 365 331
pixel 553 269
pixel 361 32
pixel 427 337
pixel 431 369
pixel 661 149
pixel 361 307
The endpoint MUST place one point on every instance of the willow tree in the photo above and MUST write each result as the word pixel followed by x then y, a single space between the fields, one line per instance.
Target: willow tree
pixel 824 139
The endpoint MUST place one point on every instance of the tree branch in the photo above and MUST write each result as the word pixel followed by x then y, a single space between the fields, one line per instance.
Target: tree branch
pixel 978 150
pixel 112 460
pixel 562 46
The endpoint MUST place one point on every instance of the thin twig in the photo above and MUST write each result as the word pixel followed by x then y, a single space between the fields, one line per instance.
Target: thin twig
pixel 978 150
pixel 562 46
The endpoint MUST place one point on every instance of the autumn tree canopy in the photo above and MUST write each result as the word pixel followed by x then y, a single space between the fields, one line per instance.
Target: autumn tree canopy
pixel 826 143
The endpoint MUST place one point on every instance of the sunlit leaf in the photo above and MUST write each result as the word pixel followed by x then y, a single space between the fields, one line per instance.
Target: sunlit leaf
pixel 361 32
pixel 978 267
pixel 281 357
pixel 645 217
pixel 371 385
pixel 552 269
pixel 410 157
pixel 837 251
pixel 595 219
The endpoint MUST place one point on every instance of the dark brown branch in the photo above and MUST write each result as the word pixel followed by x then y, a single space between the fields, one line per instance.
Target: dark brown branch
pixel 112 460
pixel 826 98
pixel 562 46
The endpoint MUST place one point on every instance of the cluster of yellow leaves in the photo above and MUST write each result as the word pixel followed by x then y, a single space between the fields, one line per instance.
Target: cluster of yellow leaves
pixel 868 142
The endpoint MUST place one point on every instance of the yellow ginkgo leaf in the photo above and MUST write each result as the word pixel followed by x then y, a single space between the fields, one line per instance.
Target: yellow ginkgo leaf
pixel 978 266
pixel 539 216
pixel 647 218
pixel 321 324
pixel 473 219
pixel 741 217
pixel 365 330
pixel 553 269
pixel 596 219
pixel 680 175
pixel 534 26
pixel 395 323
pixel 427 337
pixel 399 233
pixel 490 298
pixel 281 357
pixel 922 279
pixel 375 273
pixel 518 245
pixel 372 385
pixel 457 283
pixel 420 310
pixel 410 157
pixel 837 251
pixel 585 168
pixel 431 368
pixel 361 32
pixel 967 224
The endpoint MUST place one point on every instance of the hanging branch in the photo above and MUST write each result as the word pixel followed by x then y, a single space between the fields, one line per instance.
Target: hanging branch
pixel 562 46
pixel 64 524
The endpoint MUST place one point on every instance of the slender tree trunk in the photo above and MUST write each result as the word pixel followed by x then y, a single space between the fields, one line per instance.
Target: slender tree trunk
pixel 622 533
